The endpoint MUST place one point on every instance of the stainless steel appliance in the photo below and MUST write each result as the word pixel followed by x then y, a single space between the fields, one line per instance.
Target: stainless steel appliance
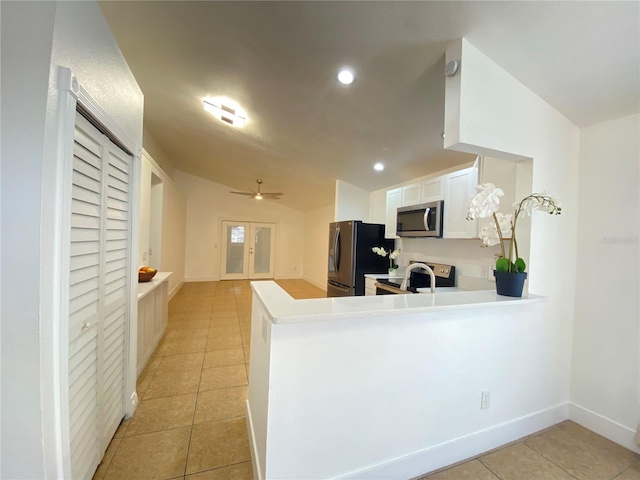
pixel 350 256
pixel 423 220
pixel 445 276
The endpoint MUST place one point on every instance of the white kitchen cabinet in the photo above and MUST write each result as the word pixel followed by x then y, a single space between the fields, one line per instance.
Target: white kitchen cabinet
pixel 370 286
pixel 459 188
pixel 432 190
pixel 394 200
pixel 410 195
pixel 153 315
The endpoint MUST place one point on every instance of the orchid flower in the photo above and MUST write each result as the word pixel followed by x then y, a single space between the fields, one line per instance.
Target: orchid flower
pixel 486 204
pixel 383 253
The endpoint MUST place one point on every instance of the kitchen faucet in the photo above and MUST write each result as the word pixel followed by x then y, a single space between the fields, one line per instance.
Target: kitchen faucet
pixel 413 266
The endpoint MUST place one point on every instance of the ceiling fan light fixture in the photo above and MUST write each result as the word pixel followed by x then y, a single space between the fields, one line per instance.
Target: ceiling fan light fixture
pixel 226 111
pixel 259 195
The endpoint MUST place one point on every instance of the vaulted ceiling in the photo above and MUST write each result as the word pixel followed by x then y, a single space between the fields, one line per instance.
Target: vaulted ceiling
pixel 279 61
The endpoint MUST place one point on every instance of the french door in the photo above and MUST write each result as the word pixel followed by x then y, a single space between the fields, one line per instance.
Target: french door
pixel 247 250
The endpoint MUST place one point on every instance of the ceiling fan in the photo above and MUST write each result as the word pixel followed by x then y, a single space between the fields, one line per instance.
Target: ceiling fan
pixel 260 195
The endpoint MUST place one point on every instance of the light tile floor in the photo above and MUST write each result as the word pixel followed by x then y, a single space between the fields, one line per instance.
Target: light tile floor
pixel 190 423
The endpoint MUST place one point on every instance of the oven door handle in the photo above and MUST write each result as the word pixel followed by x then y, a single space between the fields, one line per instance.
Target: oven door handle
pixel 426 218
pixel 390 289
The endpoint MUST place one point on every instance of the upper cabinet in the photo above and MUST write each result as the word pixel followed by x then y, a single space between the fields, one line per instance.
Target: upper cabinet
pixel 432 190
pixel 411 195
pixel 459 188
pixel 456 189
pixel 394 201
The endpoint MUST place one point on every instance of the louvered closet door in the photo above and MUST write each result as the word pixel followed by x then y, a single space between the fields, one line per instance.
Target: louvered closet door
pixel 98 282
pixel 117 230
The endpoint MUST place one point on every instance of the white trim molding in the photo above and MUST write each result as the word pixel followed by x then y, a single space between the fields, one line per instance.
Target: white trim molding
pixel 463 448
pixel 604 426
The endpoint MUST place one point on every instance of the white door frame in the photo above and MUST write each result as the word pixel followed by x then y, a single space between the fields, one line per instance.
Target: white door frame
pixel 248 256
pixel 54 335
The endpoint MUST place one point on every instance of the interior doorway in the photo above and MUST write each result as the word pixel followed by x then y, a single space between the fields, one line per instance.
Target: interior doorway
pixel 155 223
pixel 248 250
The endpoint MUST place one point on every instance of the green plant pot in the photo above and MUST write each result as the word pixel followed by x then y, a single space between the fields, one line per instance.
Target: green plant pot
pixel 510 284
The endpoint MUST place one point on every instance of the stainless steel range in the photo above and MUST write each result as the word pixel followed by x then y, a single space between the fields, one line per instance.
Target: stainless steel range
pixel 445 276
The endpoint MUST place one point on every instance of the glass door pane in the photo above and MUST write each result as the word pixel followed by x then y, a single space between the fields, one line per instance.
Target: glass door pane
pixel 262 250
pixel 235 250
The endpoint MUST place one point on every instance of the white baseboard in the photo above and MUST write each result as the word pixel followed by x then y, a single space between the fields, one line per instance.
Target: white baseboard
pixel 462 448
pixel 604 426
pixel 320 285
pixel 255 459
pixel 202 279
pixel 288 276
pixel 175 290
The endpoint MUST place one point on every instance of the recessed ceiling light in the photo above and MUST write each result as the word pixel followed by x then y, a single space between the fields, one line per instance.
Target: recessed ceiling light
pixel 345 76
pixel 226 110
pixel 379 167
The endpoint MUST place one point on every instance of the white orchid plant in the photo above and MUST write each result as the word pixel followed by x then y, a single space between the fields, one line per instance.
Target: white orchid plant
pixel 486 204
pixel 392 255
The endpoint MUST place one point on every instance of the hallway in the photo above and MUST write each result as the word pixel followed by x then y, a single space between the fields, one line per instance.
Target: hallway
pixel 192 392
pixel 190 423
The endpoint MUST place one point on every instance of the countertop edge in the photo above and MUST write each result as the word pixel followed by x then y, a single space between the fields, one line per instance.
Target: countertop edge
pixel 284 310
pixel 145 288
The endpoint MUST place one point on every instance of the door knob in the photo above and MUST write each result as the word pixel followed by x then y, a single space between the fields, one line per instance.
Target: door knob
pixel 86 326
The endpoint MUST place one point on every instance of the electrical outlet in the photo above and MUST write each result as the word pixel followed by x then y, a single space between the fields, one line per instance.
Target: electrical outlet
pixel 144 256
pixel 484 272
pixel 485 401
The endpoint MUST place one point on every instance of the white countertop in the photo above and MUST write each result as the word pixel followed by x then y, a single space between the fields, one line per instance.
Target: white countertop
pixel 284 309
pixel 144 288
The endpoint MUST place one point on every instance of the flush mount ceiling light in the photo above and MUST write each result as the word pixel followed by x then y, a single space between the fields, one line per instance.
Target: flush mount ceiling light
pixel 226 110
pixel 378 166
pixel 345 76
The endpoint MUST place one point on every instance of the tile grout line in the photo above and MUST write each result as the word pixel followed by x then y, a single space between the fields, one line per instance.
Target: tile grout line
pixel 548 460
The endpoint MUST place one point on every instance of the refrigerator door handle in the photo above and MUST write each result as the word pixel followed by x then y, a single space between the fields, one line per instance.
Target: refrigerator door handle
pixel 336 250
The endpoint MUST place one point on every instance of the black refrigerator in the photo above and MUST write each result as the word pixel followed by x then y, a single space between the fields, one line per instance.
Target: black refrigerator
pixel 350 256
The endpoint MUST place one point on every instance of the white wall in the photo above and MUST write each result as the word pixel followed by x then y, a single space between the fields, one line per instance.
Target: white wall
pixel 174 223
pixel 37 38
pixel 352 203
pixel 489 112
pixel 391 396
pixel 209 203
pixel 316 245
pixel 158 155
pixel 606 356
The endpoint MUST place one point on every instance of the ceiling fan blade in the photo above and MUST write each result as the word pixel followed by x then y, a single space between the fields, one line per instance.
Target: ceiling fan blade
pixel 244 193
pixel 275 194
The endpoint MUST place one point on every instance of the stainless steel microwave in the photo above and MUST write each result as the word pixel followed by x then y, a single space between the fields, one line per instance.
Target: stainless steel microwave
pixel 423 220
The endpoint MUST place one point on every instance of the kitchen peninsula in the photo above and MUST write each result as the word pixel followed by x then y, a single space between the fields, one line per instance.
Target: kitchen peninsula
pixel 388 386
